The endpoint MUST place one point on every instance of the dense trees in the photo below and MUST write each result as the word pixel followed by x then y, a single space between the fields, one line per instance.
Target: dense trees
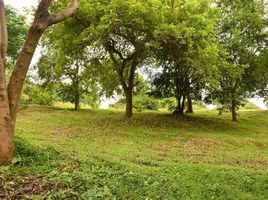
pixel 10 94
pixel 186 51
pixel 215 52
pixel 203 49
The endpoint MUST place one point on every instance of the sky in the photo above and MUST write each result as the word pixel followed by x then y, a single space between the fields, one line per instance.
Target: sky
pixel 21 4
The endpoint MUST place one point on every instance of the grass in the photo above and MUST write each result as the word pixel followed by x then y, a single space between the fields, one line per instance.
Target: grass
pixel 95 154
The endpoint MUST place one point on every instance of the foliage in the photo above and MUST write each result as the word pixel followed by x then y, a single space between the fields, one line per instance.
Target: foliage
pixel 66 93
pixel 141 103
pixel 251 106
pixel 169 103
pixel 242 35
pixel 17 30
pixel 186 51
pixel 34 94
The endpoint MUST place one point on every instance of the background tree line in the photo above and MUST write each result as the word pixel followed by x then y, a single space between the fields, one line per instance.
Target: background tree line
pixel 206 51
pixel 203 51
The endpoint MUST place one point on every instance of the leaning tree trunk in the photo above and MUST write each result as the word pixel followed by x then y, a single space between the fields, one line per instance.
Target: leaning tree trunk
pixel 9 96
pixel 20 71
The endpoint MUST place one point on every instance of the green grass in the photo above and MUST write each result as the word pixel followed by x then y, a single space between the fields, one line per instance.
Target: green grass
pixel 95 154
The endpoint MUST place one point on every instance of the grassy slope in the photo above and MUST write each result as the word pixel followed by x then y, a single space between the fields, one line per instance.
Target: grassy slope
pixel 153 156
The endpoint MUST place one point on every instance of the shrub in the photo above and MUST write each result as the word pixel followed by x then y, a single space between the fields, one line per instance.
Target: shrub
pixel 141 103
pixel 251 106
pixel 169 103
pixel 36 95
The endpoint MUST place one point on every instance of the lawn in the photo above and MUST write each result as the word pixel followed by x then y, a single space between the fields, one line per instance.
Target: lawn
pixel 96 154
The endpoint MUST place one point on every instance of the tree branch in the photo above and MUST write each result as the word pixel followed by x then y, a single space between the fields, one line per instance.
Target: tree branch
pixel 73 9
pixel 3 31
pixel 43 5
pixel 111 47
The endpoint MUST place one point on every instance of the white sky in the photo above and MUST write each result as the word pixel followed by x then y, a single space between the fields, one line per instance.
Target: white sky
pixel 20 4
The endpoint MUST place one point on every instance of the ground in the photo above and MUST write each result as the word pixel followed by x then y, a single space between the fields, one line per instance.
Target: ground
pixel 95 154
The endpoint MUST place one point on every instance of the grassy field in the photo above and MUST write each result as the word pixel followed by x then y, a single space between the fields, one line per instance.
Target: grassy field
pixel 94 154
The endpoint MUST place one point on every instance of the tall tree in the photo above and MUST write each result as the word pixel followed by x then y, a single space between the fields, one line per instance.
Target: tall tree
pixel 9 95
pixel 242 35
pixel 122 31
pixel 186 50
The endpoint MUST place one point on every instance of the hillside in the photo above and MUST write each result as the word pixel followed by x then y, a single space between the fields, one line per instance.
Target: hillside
pixel 95 154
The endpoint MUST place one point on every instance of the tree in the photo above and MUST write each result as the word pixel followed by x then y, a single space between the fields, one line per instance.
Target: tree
pixel 69 79
pixel 186 51
pixel 10 94
pixel 242 35
pixel 122 31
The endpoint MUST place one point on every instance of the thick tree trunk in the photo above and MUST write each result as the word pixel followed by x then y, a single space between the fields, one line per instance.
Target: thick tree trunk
pixel 9 96
pixel 189 105
pixel 234 114
pixel 7 147
pixel 129 102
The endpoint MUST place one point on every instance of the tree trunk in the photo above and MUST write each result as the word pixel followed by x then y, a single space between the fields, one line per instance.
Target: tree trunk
pixel 77 96
pixel 20 71
pixel 129 103
pixel 9 96
pixel 180 107
pixel 181 110
pixel 234 114
pixel 7 148
pixel 189 105
pixel 77 87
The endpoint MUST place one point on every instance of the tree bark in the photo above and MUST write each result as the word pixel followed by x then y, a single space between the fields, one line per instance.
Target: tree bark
pixel 129 102
pixel 233 108
pixel 189 105
pixel 76 84
pixel 9 95
pixel 7 147
pixel 77 96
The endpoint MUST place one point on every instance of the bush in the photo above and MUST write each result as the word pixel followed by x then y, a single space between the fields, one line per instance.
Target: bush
pixel 141 103
pixel 36 95
pixel 251 106
pixel 168 103
pixel 121 104
pixel 24 101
